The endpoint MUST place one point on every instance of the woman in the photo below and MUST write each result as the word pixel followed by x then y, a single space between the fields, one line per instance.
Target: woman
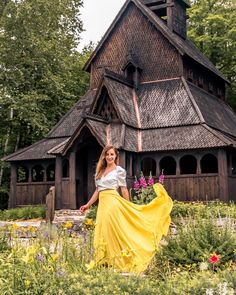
pixel 126 234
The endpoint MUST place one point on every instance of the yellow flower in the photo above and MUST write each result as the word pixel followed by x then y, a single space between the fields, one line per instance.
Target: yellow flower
pixel 54 257
pixel 68 224
pixel 90 265
pixel 125 253
pixel 89 221
pixel 27 283
pixel 15 226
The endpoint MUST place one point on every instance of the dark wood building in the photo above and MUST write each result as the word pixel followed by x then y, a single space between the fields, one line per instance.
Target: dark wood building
pixel 155 97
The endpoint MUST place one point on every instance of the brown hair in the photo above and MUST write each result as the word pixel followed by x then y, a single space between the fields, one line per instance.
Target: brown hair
pixel 101 165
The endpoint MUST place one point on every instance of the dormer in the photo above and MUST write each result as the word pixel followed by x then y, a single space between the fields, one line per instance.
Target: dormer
pixel 172 12
pixel 132 71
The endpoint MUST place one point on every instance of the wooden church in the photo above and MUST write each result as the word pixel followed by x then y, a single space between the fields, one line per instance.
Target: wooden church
pixel 155 97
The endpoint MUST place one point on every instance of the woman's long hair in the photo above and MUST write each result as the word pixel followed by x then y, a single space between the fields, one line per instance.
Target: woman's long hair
pixel 101 165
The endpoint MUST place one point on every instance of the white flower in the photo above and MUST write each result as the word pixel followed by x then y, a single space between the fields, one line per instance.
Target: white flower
pixel 209 292
pixel 203 266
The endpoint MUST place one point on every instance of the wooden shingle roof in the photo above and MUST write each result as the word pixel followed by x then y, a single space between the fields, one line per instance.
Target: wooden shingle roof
pixel 184 46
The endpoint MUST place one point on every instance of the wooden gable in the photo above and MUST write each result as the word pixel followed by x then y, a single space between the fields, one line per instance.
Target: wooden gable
pixel 104 107
pixel 133 33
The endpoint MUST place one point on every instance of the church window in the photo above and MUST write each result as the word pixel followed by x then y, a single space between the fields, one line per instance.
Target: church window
pixel 188 165
pixel 209 164
pixel 168 165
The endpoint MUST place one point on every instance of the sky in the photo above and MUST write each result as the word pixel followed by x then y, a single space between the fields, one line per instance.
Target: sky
pixel 97 15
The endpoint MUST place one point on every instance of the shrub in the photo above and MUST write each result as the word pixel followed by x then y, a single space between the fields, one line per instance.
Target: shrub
pixel 27 212
pixel 195 244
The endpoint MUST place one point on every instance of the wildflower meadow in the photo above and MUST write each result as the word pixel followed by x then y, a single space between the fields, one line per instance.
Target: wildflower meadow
pixel 197 257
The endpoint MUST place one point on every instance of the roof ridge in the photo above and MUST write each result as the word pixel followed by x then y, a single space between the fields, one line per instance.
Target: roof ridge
pixel 218 134
pixel 197 109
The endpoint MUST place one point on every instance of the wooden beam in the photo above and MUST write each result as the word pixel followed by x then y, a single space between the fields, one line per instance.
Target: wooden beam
pixel 72 180
pixel 158 7
pixel 58 182
pixel 147 2
pixel 12 200
pixel 223 176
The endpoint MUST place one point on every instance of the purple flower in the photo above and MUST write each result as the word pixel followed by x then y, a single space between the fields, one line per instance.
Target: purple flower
pixel 59 273
pixel 142 182
pixel 161 177
pixel 136 184
pixel 84 236
pixel 39 257
pixel 46 235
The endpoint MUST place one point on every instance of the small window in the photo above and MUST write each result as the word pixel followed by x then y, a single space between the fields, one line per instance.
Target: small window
pixel 148 165
pixel 37 173
pixel 65 168
pixel 233 167
pixel 22 174
pixel 188 165
pixel 168 165
pixel 129 73
pixel 209 164
pixel 51 172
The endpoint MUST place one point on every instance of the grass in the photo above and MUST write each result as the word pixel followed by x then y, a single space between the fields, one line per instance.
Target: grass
pixel 24 213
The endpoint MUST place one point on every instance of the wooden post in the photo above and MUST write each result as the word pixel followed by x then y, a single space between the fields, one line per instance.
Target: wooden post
pixel 122 159
pixel 223 176
pixel 50 204
pixel 58 182
pixel 72 180
pixel 12 199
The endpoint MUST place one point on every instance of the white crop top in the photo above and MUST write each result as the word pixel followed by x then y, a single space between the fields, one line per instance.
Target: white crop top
pixel 113 180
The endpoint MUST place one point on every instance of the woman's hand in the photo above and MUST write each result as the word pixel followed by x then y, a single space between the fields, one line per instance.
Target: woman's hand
pixel 84 208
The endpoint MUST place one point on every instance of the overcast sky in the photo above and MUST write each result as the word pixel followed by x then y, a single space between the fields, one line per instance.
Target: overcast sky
pixel 97 15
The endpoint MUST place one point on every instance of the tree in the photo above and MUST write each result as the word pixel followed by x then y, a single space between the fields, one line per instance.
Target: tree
pixel 212 27
pixel 41 73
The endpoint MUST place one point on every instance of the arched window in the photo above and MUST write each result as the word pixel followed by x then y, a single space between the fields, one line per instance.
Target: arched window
pixel 209 164
pixel 148 165
pixel 50 172
pixel 37 173
pixel 65 168
pixel 168 165
pixel 22 174
pixel 188 165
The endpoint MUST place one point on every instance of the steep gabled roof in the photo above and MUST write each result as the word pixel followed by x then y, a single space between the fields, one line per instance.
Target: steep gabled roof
pixel 183 46
pixel 121 96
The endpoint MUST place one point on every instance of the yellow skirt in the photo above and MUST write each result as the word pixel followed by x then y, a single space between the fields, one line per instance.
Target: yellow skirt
pixel 126 234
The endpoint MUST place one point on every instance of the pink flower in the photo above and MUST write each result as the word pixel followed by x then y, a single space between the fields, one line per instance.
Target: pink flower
pixel 150 180
pixel 161 177
pixel 136 184
pixel 142 181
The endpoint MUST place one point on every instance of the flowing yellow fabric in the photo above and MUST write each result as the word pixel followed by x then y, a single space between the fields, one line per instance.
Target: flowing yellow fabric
pixel 126 234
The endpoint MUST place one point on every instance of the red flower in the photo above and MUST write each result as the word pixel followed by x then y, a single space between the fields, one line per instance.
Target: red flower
pixel 214 258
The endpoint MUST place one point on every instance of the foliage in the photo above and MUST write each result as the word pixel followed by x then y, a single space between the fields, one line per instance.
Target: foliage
pixel 213 209
pixel 58 261
pixel 41 73
pixel 212 27
pixel 195 244
pixel 92 213
pixel 28 212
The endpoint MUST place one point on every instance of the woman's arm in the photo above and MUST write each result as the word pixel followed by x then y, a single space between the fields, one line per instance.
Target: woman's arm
pixel 90 202
pixel 124 192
